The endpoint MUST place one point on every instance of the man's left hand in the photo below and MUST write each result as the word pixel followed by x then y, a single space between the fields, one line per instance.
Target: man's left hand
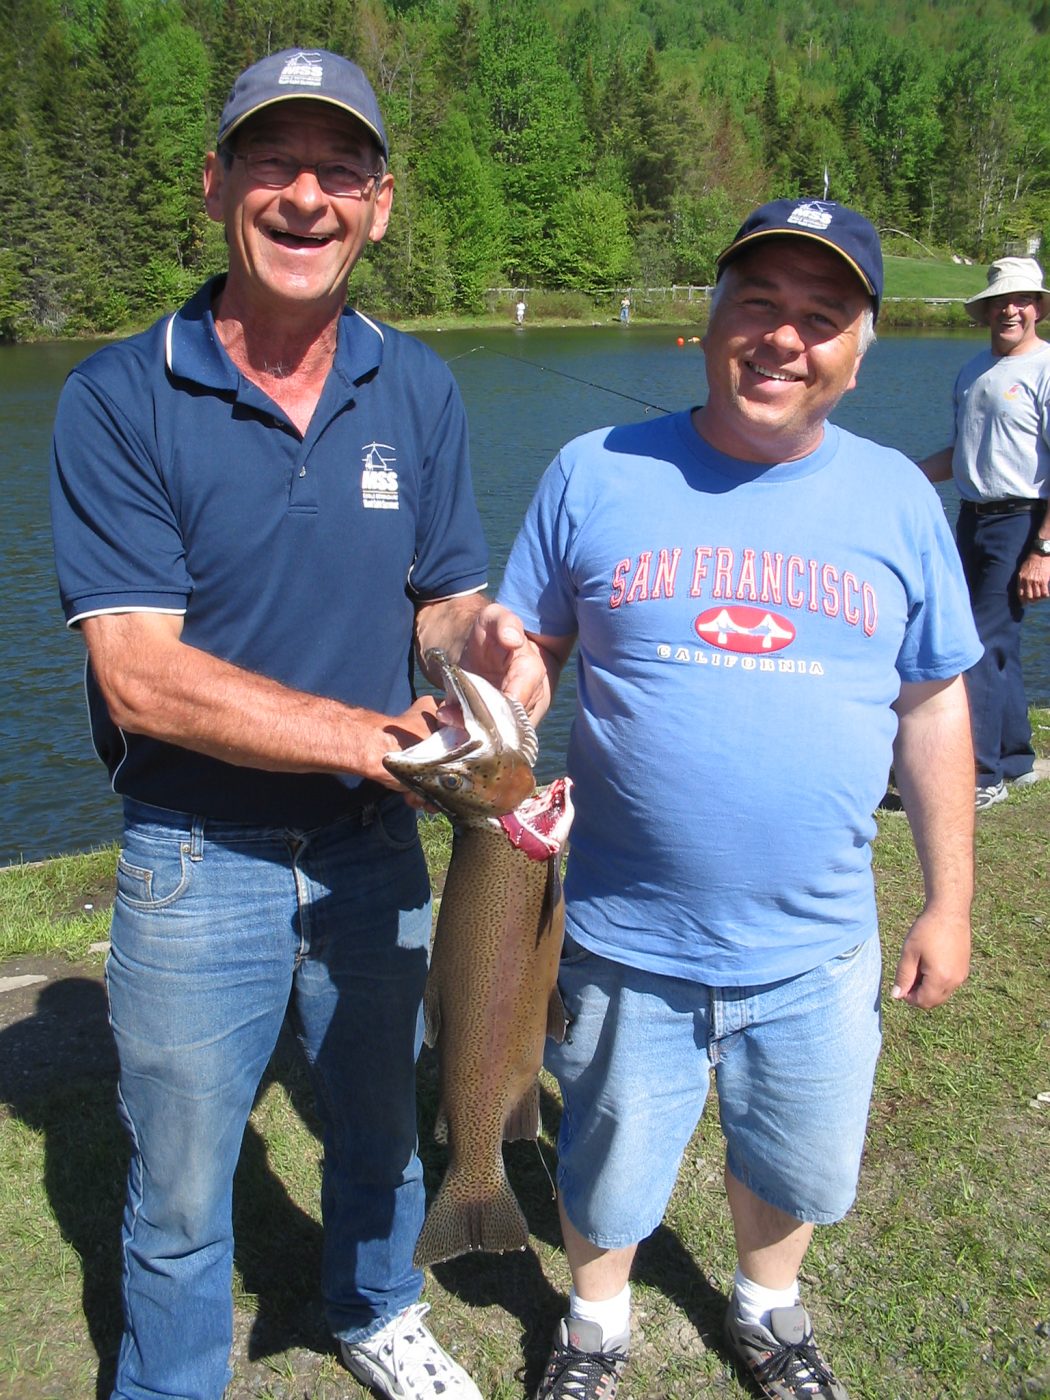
pixel 498 649
pixel 1033 578
pixel 934 961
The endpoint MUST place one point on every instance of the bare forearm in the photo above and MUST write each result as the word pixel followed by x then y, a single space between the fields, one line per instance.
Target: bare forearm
pixel 938 465
pixel 155 684
pixel 933 764
pixel 447 625
pixel 933 761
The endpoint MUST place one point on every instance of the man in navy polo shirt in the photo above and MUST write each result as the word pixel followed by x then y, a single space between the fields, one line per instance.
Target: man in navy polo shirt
pixel 259 507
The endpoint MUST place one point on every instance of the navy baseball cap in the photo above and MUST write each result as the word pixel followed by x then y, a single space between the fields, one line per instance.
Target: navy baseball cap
pixel 313 73
pixel 842 230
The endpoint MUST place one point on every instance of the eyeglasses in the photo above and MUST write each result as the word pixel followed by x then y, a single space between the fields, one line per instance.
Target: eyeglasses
pixel 336 177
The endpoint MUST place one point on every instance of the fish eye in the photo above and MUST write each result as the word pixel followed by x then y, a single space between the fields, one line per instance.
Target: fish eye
pixel 451 782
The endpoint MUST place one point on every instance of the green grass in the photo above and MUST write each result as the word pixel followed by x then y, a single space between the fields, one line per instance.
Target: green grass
pixel 935 1287
pixel 912 284
pixel 56 906
pixel 932 277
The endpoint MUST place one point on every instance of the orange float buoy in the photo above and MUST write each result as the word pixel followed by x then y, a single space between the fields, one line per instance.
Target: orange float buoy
pixel 680 340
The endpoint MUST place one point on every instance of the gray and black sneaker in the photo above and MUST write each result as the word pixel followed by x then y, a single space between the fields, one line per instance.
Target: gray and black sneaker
pixel 782 1359
pixel 580 1368
pixel 985 797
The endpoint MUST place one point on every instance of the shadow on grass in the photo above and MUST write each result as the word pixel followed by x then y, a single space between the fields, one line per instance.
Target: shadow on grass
pixel 58 1075
pixel 517 1283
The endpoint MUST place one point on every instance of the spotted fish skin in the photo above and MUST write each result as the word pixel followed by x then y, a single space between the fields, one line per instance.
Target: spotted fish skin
pixel 491 995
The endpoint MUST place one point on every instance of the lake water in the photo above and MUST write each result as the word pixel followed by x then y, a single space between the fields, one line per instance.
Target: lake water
pixel 521 408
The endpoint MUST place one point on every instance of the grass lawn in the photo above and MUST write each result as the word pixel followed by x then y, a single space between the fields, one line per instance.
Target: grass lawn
pixel 931 277
pixel 936 1286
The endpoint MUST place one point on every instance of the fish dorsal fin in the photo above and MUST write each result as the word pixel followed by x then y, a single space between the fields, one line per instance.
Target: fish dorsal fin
pixel 528 743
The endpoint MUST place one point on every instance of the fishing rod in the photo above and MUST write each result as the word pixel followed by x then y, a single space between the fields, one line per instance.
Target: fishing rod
pixel 534 364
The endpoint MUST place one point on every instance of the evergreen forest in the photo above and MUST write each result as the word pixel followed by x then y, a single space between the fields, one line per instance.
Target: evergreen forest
pixel 585 145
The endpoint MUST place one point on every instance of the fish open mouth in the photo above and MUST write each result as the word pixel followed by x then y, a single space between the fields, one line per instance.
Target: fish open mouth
pixel 539 826
pixel 491 721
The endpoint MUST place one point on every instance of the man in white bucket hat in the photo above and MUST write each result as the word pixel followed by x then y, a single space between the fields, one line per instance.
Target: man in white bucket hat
pixel 1000 460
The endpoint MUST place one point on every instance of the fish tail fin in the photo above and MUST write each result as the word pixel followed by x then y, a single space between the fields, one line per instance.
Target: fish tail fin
pixel 492 1221
pixel 523 1121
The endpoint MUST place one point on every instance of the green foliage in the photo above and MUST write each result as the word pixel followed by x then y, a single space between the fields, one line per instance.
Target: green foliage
pixel 466 189
pixel 572 145
pixel 589 245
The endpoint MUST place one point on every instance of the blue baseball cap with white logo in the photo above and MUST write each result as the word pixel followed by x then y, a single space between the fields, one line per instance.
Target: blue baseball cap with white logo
pixel 311 73
pixel 834 226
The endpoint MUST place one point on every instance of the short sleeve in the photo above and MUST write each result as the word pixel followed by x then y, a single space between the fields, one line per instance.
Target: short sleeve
pixel 117 542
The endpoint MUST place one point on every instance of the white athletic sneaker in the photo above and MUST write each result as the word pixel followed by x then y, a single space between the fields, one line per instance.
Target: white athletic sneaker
pixel 404 1362
pixel 1026 779
pixel 990 795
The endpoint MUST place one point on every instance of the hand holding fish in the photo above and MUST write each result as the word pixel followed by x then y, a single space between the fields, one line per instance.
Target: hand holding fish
pixel 498 649
pixel 417 723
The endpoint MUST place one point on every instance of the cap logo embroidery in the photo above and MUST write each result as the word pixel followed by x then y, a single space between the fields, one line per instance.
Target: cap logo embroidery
pixel 302 70
pixel 810 215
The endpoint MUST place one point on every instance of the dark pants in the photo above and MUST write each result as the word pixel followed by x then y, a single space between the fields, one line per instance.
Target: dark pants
pixel 991 548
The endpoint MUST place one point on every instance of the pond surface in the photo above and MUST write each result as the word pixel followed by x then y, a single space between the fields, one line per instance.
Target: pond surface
pixel 527 391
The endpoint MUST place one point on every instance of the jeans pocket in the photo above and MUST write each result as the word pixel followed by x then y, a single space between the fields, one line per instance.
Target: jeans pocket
pixel 157 884
pixel 396 825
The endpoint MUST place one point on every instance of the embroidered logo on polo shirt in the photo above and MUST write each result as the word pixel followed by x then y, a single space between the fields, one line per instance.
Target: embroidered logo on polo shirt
pixel 302 70
pixel 379 479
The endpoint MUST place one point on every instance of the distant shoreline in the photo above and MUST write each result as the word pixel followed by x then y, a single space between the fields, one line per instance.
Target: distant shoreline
pixel 897 314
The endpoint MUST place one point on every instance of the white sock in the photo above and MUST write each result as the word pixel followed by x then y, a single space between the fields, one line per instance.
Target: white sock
pixel 613 1315
pixel 754 1303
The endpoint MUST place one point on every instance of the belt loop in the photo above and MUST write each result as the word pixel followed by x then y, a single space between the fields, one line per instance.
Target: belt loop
pixel 197 839
pixel 368 813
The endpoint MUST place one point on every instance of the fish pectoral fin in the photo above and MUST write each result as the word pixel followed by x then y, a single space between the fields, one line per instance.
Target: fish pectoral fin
pixel 523 1121
pixel 468 1215
pixel 441 1126
pixel 431 1013
pixel 557 1021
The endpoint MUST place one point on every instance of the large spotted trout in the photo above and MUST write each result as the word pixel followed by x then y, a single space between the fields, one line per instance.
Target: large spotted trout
pixel 491 995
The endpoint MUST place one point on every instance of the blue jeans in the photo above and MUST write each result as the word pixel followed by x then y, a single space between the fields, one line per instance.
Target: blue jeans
pixel 991 548
pixel 794 1062
pixel 218 930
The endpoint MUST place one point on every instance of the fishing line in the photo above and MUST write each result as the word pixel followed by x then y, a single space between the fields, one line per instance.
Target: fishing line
pixel 534 364
pixel 543 1161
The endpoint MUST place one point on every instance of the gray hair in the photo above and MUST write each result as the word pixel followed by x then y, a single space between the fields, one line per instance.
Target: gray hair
pixel 866 336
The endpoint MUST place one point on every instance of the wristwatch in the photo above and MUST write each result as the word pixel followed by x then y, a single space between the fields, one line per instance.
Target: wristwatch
pixel 1041 547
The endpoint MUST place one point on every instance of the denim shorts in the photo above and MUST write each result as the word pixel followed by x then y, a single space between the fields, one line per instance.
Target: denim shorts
pixel 794 1062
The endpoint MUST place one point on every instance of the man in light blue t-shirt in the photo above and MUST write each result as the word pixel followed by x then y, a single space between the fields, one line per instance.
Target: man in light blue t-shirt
pixel 1000 460
pixel 766 611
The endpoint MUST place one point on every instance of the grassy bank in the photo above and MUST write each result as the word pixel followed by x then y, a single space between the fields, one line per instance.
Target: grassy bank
pixel 921 293
pixel 936 1287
